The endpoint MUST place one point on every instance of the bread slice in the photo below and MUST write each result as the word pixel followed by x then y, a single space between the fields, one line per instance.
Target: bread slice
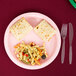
pixel 20 28
pixel 45 30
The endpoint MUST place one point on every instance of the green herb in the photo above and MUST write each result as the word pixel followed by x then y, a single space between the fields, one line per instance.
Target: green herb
pixel 25 62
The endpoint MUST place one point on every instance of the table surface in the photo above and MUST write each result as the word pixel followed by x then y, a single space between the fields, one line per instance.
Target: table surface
pixel 60 11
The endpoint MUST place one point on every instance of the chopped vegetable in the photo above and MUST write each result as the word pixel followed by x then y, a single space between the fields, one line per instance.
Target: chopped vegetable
pixel 32 44
pixel 26 55
pixel 43 56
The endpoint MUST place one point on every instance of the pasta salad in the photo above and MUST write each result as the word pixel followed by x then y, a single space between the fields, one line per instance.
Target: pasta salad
pixel 30 53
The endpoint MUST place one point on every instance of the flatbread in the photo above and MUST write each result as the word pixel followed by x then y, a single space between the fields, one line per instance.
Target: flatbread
pixel 20 28
pixel 45 30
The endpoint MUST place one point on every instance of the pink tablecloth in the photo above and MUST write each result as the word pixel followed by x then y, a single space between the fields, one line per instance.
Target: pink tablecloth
pixel 61 12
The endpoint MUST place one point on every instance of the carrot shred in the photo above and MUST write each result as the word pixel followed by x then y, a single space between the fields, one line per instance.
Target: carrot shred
pixel 17 45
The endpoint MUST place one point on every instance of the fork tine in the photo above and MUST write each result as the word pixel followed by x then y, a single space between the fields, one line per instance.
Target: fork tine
pixel 64 29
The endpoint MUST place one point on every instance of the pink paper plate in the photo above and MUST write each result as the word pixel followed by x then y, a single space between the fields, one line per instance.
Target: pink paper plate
pixel 53 46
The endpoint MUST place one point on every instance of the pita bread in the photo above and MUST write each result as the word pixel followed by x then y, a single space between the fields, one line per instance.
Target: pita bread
pixel 45 30
pixel 20 28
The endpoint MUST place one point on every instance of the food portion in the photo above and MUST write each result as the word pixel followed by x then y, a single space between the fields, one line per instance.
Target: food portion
pixel 45 30
pixel 30 53
pixel 20 28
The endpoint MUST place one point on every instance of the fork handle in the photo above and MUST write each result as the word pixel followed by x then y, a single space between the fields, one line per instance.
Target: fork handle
pixel 63 52
pixel 70 54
